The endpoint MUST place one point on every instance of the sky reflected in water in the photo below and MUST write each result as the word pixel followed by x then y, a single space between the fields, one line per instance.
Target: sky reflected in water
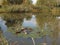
pixel 2 25
pixel 30 23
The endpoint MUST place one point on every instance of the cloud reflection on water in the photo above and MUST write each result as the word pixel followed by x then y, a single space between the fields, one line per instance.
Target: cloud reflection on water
pixel 30 23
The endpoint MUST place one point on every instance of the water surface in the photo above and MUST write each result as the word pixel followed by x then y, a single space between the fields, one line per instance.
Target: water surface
pixel 38 22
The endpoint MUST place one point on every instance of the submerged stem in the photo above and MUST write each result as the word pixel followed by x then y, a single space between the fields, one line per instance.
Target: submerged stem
pixel 33 40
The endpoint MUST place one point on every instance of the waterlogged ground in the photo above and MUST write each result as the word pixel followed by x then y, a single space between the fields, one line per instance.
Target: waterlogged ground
pixel 44 29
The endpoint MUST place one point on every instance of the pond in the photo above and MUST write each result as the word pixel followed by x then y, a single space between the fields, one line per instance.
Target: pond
pixel 18 29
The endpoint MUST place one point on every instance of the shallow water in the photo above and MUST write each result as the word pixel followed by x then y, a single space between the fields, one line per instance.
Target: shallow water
pixel 49 24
